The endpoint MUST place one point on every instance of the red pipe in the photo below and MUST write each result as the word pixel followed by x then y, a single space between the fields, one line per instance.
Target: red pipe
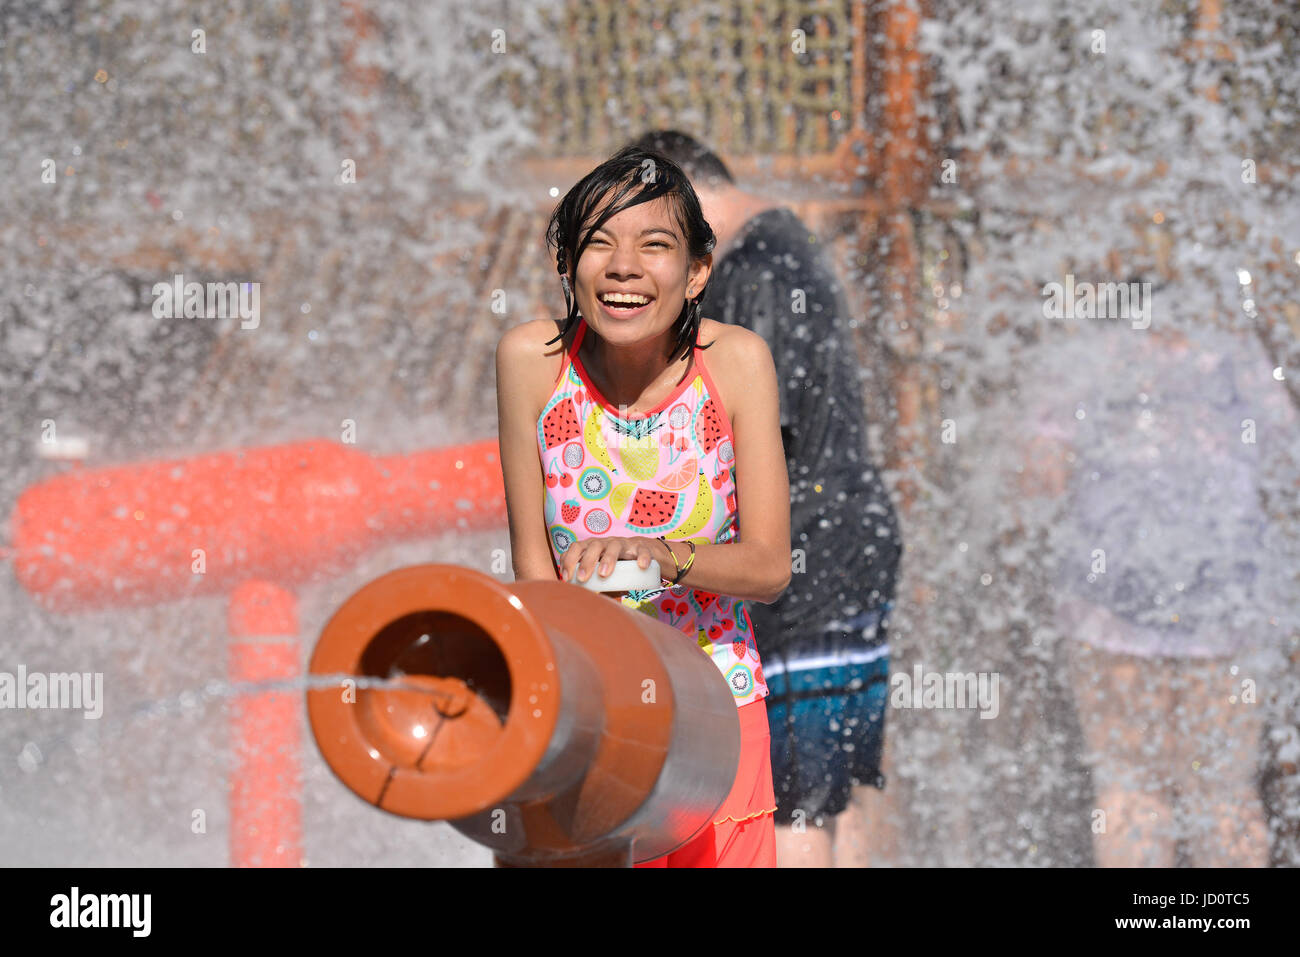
pixel 160 531
pixel 265 728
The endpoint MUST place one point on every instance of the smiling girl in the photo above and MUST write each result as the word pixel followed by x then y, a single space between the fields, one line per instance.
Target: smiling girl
pixel 623 444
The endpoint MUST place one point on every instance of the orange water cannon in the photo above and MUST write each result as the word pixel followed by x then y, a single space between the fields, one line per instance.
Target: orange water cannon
pixel 544 721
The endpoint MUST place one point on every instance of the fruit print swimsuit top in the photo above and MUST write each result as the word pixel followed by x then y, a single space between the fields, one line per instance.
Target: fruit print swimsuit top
pixel 670 472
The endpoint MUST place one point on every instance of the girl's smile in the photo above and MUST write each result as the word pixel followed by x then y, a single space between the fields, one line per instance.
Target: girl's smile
pixel 621 312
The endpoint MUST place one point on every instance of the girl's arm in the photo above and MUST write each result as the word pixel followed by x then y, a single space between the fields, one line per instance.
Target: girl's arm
pixel 755 566
pixel 517 365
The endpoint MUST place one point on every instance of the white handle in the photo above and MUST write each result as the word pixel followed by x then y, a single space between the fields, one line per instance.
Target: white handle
pixel 626 576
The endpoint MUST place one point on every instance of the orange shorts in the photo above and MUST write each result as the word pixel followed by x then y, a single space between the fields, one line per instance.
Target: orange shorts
pixel 743 834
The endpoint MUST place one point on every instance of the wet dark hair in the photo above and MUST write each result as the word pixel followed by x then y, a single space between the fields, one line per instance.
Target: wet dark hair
pixel 634 176
pixel 700 163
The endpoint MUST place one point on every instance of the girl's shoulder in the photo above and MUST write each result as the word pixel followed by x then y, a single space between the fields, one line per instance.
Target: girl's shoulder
pixel 537 360
pixel 732 346
pixel 729 359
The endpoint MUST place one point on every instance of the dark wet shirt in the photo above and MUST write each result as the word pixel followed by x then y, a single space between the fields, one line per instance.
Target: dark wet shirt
pixel 841 517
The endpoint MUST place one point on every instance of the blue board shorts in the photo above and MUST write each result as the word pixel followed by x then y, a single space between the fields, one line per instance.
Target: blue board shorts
pixel 826 710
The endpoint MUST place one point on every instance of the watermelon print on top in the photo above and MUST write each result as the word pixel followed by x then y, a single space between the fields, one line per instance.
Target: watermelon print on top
pixel 671 472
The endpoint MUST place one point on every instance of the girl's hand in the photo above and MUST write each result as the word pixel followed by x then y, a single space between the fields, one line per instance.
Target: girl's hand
pixel 599 554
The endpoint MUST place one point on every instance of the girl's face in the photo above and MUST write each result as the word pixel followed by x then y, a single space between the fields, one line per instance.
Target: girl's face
pixel 642 253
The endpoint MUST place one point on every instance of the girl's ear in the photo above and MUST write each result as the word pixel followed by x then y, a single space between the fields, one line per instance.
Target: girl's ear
pixel 699 275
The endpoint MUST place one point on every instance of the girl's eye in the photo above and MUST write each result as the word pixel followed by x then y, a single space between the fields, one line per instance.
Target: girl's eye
pixel 658 242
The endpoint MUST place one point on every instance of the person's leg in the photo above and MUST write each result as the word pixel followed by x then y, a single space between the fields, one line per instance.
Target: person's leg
pixel 1125 705
pixel 804 843
pixel 883 817
pixel 1219 754
pixel 863 730
pixel 853 827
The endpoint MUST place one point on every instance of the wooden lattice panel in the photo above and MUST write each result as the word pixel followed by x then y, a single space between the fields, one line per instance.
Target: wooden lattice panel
pixel 768 77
